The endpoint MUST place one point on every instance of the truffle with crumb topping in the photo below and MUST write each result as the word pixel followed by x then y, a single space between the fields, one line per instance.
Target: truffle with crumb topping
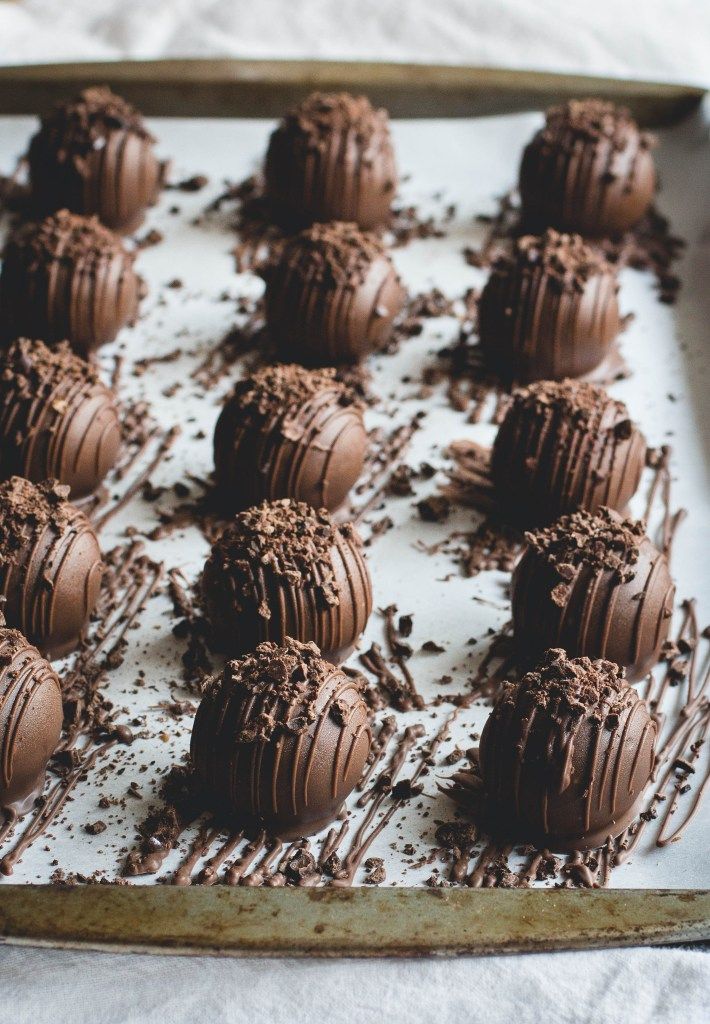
pixel 57 418
pixel 331 158
pixel 549 309
pixel 94 155
pixel 284 569
pixel 289 432
pixel 597 586
pixel 562 446
pixel 589 169
pixel 67 277
pixel 331 296
pixel 567 753
pixel 281 737
pixel 50 564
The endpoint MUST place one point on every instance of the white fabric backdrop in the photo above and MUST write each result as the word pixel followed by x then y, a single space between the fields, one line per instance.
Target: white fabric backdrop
pixel 653 39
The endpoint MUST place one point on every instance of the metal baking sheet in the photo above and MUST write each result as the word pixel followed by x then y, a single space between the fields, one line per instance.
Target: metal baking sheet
pixel 468 163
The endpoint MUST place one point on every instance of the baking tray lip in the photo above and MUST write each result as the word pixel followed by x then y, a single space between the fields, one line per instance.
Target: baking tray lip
pixel 222 87
pixel 360 922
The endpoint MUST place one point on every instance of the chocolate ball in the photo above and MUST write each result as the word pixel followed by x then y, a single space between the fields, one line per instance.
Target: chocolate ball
pixel 284 569
pixel 287 432
pixel 563 446
pixel 595 585
pixel 57 418
pixel 67 277
pixel 94 155
pixel 331 296
pixel 331 158
pixel 30 720
pixel 50 564
pixel 589 170
pixel 281 737
pixel 549 309
pixel 566 754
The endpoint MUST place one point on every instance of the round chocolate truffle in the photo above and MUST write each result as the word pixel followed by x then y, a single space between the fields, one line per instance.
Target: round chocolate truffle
pixel 57 418
pixel 284 569
pixel 67 277
pixel 288 432
pixel 589 170
pixel 549 309
pixel 566 754
pixel 50 564
pixel 93 154
pixel 331 158
pixel 30 720
pixel 281 737
pixel 595 585
pixel 563 446
pixel 331 296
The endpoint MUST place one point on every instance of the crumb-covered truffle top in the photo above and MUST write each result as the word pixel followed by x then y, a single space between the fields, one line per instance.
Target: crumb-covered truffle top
pixel 321 114
pixel 67 237
pixel 578 400
pixel 567 261
pixel 26 509
pixel 333 255
pixel 75 127
pixel 283 389
pixel 571 686
pixel 28 368
pixel 285 679
pixel 593 120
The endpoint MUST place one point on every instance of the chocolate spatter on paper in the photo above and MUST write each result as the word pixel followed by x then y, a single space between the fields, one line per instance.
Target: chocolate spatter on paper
pixel 567 753
pixel 288 432
pixel 50 564
pixel 57 418
pixel 549 309
pixel 283 569
pixel 595 585
pixel 331 296
pixel 331 158
pixel 563 446
pixel 281 737
pixel 589 169
pixel 30 721
pixel 94 155
pixel 67 277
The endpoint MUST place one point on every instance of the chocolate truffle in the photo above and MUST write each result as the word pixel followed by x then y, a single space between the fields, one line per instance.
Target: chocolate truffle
pixel 285 569
pixel 288 432
pixel 50 564
pixel 597 586
pixel 67 277
pixel 549 310
pixel 281 737
pixel 331 296
pixel 566 754
pixel 589 170
pixel 563 446
pixel 30 720
pixel 57 418
pixel 94 155
pixel 331 158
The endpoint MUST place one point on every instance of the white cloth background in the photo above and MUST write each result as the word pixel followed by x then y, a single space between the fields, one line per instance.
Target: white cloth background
pixel 653 39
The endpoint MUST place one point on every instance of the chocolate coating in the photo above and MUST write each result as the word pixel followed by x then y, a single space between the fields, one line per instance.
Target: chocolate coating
pixel 287 432
pixel 57 418
pixel 50 564
pixel 331 296
pixel 549 310
pixel 283 569
pixel 563 446
pixel 331 158
pixel 67 277
pixel 281 737
pixel 589 170
pixel 566 754
pixel 597 586
pixel 30 720
pixel 94 155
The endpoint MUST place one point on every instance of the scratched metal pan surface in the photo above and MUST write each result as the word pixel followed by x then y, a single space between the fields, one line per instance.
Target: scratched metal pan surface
pixel 659 893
